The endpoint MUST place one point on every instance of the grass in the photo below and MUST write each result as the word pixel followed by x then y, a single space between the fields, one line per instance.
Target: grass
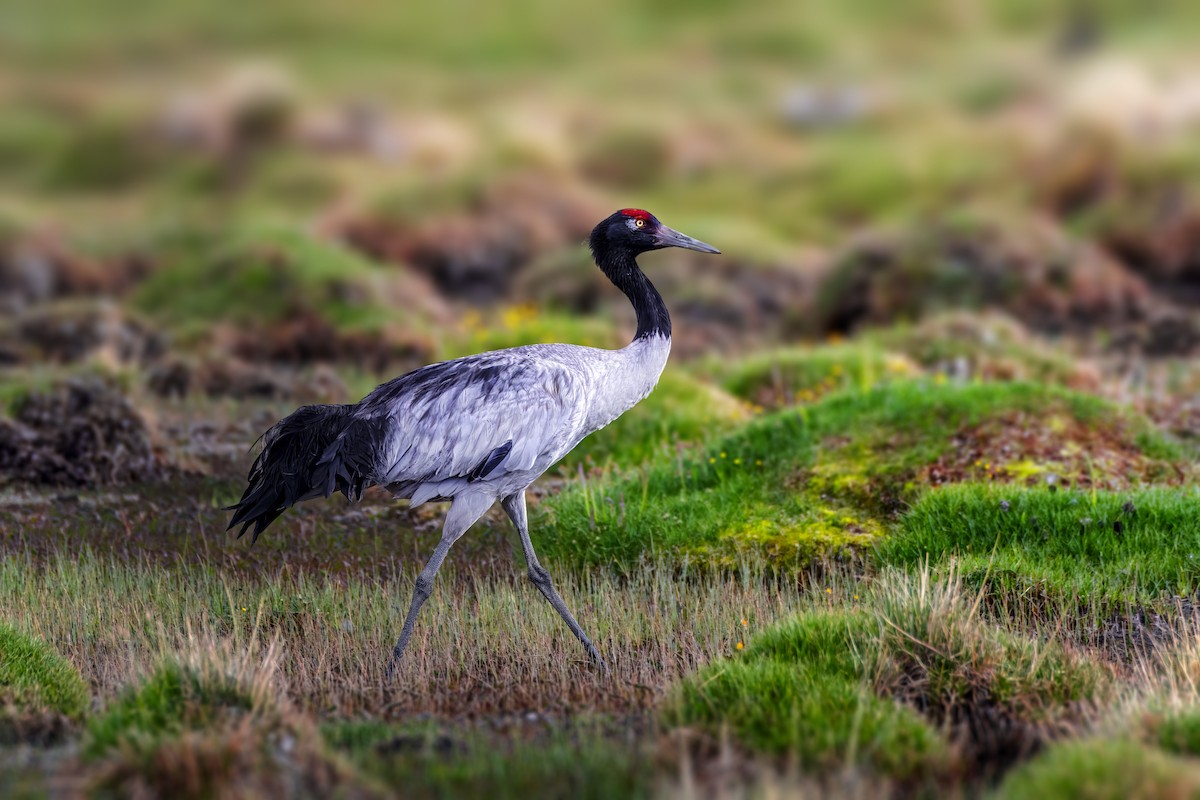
pixel 799 691
pixel 263 276
pixel 878 677
pixel 785 377
pixel 481 628
pixel 211 724
pixel 209 712
pixel 550 759
pixel 1100 769
pixel 937 651
pixel 828 479
pixel 175 698
pixel 898 682
pixel 1041 544
pixel 983 345
pixel 1180 733
pixel 35 678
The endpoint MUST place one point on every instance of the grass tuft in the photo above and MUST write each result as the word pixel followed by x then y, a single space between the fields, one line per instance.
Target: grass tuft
pixel 1000 692
pixel 179 697
pixel 1101 769
pixel 34 678
pixel 906 682
pixel 799 691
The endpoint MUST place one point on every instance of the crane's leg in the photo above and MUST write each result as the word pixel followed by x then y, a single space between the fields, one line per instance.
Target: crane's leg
pixel 514 506
pixel 462 515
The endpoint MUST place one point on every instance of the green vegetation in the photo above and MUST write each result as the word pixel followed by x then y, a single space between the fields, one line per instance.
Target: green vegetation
pixel 1100 769
pixel 951 554
pixel 799 691
pixel 983 345
pixel 1048 545
pixel 652 629
pixel 842 684
pixel 801 375
pixel 34 678
pixel 1180 733
pixel 826 479
pixel 174 699
pixel 572 759
pixel 522 325
pixel 265 276
pixel 936 651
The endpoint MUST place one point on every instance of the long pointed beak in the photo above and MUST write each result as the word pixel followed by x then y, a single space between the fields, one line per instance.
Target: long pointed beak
pixel 668 237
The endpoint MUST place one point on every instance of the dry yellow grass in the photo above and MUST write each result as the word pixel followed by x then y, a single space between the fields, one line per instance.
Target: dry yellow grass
pixel 487 643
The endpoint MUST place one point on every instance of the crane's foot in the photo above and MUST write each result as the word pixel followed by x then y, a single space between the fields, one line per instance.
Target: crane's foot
pixel 394 661
pixel 597 660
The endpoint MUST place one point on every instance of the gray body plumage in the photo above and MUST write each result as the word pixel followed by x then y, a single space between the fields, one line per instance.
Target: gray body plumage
pixel 441 423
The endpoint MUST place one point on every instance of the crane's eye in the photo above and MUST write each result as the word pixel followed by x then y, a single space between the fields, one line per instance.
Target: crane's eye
pixel 640 223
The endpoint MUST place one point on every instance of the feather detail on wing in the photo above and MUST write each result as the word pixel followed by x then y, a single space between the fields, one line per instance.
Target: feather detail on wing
pixel 461 421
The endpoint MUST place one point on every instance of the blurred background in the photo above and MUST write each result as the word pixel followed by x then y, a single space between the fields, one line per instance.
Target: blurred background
pixel 206 204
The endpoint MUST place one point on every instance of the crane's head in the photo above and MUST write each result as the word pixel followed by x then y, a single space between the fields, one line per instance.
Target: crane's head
pixel 634 231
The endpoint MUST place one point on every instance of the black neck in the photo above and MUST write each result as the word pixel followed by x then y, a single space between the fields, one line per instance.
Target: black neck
pixel 622 269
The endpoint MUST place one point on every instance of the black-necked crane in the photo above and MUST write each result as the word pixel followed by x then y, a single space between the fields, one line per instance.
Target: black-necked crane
pixel 476 429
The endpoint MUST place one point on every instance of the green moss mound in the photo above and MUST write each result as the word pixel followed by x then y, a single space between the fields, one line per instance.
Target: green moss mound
pixel 890 681
pixel 34 678
pixel 799 690
pixel 985 345
pixel 1180 733
pixel 829 480
pixel 1037 542
pixel 779 378
pixel 264 275
pixel 437 760
pixel 173 700
pixel 1103 770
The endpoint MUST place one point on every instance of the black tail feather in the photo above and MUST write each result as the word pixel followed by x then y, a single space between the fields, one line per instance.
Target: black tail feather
pixel 299 461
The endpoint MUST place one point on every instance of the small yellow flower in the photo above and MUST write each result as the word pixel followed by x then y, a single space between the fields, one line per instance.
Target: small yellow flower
pixel 855 597
pixel 828 590
pixel 740 645
pixel 745 622
pixel 243 608
pixel 722 454
pixel 737 461
pixel 712 460
pixel 758 462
